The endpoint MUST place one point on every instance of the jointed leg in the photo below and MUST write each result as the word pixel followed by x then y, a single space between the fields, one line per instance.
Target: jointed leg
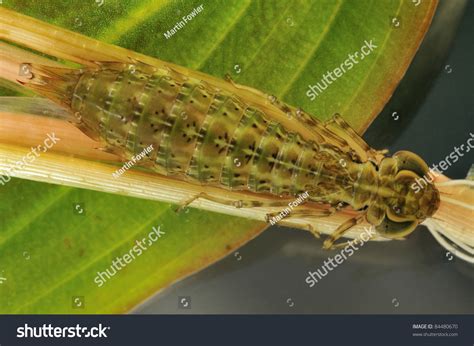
pixel 340 127
pixel 339 232
pixel 304 212
pixel 308 227
pixel 229 79
pixel 241 203
pixel 344 244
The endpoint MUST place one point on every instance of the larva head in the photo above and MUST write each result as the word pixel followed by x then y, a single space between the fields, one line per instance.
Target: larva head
pixel 410 195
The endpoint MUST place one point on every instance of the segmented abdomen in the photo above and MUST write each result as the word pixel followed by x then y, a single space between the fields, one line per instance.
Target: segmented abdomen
pixel 199 132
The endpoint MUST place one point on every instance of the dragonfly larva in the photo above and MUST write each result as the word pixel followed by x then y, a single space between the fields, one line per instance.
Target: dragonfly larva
pixel 208 136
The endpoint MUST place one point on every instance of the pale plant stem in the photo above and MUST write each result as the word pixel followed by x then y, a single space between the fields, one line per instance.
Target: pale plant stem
pixel 58 169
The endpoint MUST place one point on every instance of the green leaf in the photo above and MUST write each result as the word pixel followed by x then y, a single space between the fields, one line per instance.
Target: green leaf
pixel 50 253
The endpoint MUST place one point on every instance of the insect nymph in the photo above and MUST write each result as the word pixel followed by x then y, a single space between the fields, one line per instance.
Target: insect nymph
pixel 209 136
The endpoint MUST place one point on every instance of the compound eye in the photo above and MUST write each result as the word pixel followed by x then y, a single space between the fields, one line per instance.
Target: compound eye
pixel 394 230
pixel 407 160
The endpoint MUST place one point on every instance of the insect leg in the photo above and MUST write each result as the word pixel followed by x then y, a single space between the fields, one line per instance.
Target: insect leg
pixel 344 244
pixel 339 232
pixel 308 227
pixel 254 91
pixel 304 213
pixel 241 203
pixel 341 128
